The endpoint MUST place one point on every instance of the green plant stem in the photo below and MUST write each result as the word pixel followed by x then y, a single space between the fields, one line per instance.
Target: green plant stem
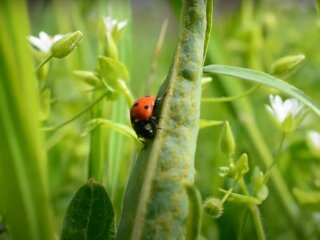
pixel 195 212
pixel 97 146
pixel 255 213
pixel 155 201
pixel 256 217
pixel 77 115
pixel 115 144
pixel 227 194
pixel 43 63
pixel 277 156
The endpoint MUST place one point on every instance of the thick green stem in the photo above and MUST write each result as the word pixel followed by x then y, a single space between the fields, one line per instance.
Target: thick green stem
pixel 155 203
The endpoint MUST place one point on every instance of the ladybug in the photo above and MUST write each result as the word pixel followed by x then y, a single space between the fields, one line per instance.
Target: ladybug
pixel 142 117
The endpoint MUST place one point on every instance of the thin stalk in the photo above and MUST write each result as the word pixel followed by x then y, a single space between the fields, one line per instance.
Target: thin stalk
pixel 43 63
pixel 255 213
pixel 77 115
pixel 157 51
pixel 97 147
pixel 277 156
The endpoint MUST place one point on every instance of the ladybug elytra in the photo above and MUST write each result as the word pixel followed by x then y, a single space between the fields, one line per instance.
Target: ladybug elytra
pixel 142 118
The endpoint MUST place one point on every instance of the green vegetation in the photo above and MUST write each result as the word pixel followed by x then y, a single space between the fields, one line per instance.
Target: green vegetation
pixel 236 154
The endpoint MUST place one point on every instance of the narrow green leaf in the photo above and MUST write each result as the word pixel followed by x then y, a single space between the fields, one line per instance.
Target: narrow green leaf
pixel 90 215
pixel 119 127
pixel 204 123
pixel 24 196
pixel 89 77
pixel 209 16
pixel 241 199
pixel 266 79
pixel 195 212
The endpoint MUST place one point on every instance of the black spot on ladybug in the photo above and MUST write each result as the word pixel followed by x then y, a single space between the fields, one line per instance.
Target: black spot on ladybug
pixel 135 104
pixel 146 107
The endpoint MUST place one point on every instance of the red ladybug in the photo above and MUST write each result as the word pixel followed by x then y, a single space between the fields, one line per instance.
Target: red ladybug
pixel 142 119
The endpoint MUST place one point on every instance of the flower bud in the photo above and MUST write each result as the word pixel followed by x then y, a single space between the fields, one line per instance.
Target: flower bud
pixel 89 77
pixel 242 165
pixel 285 66
pixel 66 44
pixel 213 207
pixel 227 143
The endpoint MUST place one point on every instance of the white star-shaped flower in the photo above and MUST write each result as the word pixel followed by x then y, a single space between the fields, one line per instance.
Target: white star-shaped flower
pixel 44 41
pixel 113 24
pixel 286 113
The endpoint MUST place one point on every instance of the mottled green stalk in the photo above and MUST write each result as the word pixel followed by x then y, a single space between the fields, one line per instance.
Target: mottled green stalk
pixel 24 193
pixel 155 203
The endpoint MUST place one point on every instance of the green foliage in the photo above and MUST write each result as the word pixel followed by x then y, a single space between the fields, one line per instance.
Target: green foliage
pixel 90 214
pixel 64 120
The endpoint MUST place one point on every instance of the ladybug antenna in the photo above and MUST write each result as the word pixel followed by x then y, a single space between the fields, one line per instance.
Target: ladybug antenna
pixel 154 64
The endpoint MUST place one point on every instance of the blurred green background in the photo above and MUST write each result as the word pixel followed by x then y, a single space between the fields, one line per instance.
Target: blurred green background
pixel 247 33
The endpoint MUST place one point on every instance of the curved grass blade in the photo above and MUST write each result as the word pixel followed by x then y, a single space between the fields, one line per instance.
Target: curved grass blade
pixel 119 127
pixel 266 79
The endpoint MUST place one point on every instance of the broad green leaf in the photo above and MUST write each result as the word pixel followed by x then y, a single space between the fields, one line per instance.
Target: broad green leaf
pixel 266 79
pixel 90 215
pixel 113 70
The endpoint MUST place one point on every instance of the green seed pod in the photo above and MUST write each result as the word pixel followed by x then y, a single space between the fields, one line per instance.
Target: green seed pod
pixel 227 143
pixel 213 207
pixel 64 46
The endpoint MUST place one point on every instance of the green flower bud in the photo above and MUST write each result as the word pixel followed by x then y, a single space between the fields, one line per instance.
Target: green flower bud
pixel 88 77
pixel 213 207
pixel 64 46
pixel 227 143
pixel 242 165
pixel 285 66
pixel 111 49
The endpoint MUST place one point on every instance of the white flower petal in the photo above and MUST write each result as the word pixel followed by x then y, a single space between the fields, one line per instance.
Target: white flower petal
pixel 282 109
pixel 314 138
pixel 121 25
pixel 44 41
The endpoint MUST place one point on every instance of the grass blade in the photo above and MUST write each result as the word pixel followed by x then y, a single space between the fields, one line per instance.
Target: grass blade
pixel 266 79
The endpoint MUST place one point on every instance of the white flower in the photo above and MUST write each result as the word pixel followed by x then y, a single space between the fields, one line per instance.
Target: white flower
pixel 314 139
pixel 44 41
pixel 113 24
pixel 286 113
